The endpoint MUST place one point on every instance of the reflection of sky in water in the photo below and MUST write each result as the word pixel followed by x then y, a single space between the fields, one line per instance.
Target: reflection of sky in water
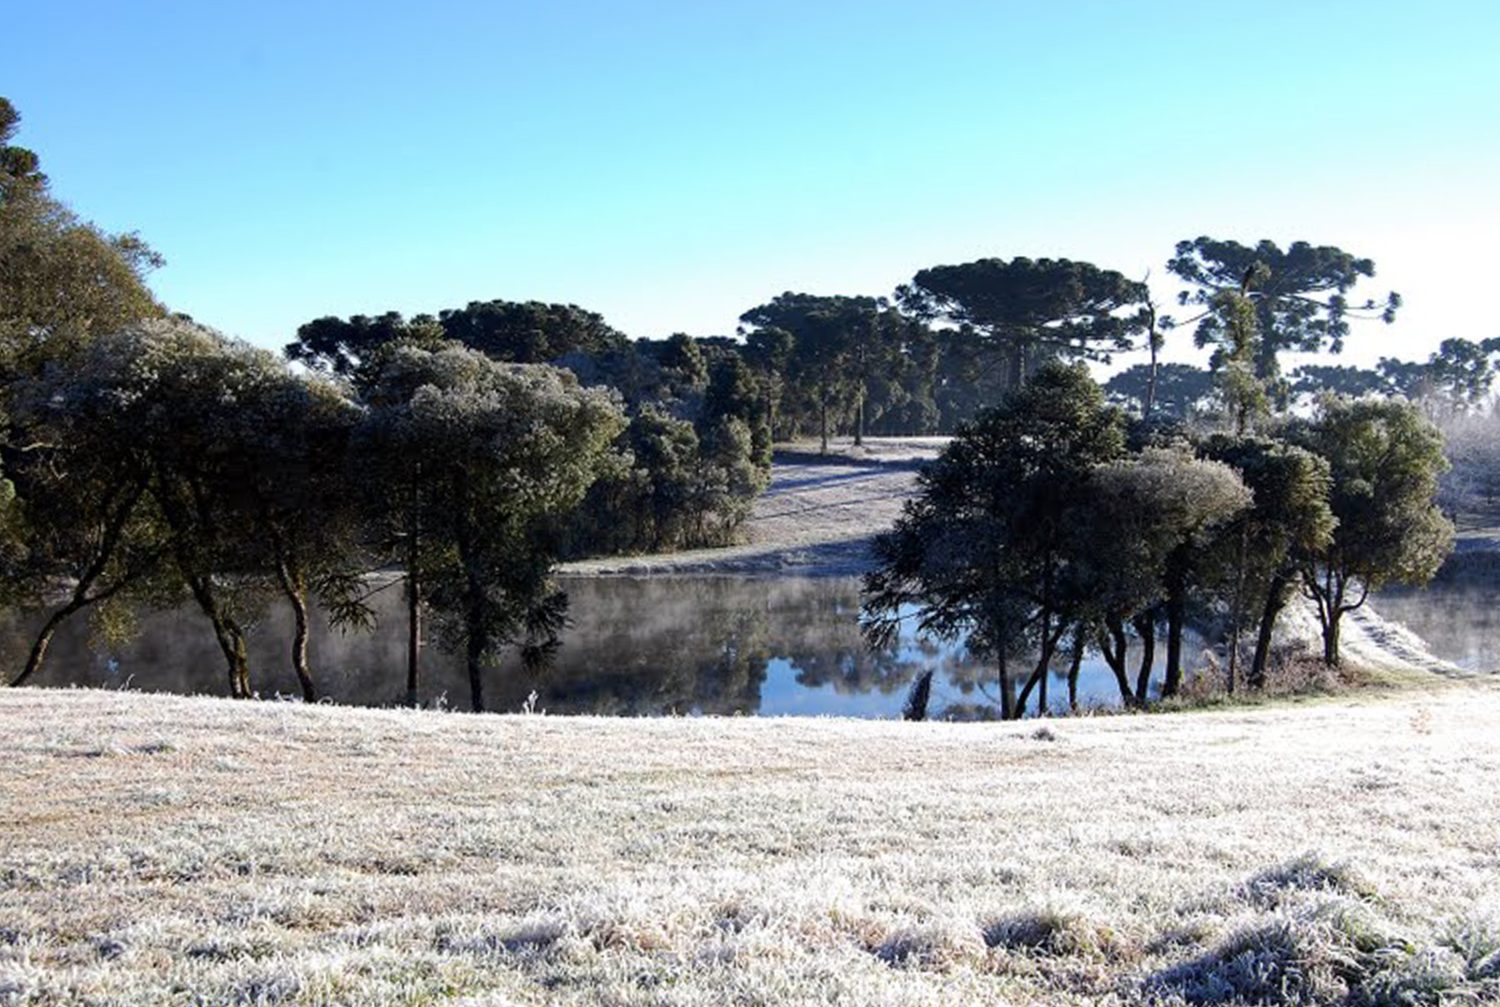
pixel 782 695
pixel 711 645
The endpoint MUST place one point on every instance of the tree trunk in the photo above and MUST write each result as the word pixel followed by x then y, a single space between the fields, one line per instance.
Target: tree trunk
pixel 1275 601
pixel 859 419
pixel 241 662
pixel 1331 639
pixel 1112 646
pixel 1041 693
pixel 43 639
pixel 294 586
pixel 1176 615
pixel 1145 628
pixel 227 633
pixel 1237 608
pixel 1005 698
pixel 413 635
pixel 414 589
pixel 476 631
pixel 114 530
pixel 916 700
pixel 299 650
pixel 823 419
pixel 475 660
pixel 1151 376
pixel 1073 669
pixel 1043 665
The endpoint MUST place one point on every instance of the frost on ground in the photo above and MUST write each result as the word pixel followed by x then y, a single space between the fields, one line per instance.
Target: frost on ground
pixel 166 850
pixel 817 518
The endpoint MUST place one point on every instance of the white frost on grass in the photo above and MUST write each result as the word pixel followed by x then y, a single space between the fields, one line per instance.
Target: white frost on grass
pixel 321 855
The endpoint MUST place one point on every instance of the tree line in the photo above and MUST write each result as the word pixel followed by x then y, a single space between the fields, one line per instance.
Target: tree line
pixel 1056 525
pixel 941 348
pixel 150 460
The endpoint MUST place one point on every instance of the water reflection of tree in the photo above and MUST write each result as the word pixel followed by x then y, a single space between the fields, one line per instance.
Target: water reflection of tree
pixel 703 645
pixel 642 647
pixel 636 647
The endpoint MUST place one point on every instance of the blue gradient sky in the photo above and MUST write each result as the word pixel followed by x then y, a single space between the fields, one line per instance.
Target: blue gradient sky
pixel 671 164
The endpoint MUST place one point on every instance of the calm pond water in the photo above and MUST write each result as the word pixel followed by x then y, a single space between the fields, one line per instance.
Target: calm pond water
pixel 1459 622
pixel 667 645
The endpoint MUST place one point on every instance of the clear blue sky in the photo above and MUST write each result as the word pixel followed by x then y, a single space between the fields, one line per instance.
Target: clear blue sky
pixel 671 164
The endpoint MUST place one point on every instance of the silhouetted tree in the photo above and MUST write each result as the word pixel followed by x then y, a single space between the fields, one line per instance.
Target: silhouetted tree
pixel 1299 296
pixel 1028 310
pixel 985 546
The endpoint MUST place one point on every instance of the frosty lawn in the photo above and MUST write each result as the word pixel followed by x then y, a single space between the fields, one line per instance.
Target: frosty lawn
pixel 157 850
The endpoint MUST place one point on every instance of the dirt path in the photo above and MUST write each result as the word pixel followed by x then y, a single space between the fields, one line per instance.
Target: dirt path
pixel 817 519
pixel 1369 639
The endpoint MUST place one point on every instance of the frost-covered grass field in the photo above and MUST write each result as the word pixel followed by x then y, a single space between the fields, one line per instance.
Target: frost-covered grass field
pixel 165 850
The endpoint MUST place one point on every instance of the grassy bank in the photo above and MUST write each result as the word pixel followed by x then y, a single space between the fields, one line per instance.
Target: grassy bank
pixel 168 850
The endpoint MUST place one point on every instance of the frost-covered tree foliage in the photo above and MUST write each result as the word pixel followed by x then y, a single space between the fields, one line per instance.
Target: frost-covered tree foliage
pixel 62 282
pixel 168 446
pixel 1455 380
pixel 1472 444
pixel 1037 526
pixel 1181 391
pixel 1144 538
pixel 500 454
pixel 1290 520
pixel 171 460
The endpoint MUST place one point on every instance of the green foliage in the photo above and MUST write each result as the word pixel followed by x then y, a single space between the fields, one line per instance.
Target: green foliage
pixel 984 548
pixel 831 350
pixel 1455 379
pixel 1029 310
pixel 1145 511
pixel 1182 390
pixel 683 360
pixel 1244 390
pixel 1290 521
pixel 1300 295
pixel 353 347
pixel 674 487
pixel 1148 536
pixel 1384 460
pixel 529 332
pixel 62 280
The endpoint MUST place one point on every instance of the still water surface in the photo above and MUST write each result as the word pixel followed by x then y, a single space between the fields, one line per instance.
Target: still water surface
pixel 680 645
pixel 1460 622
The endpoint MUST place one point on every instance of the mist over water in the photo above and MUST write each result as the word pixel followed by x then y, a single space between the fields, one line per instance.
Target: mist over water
pixel 636 647
pixel 1459 622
